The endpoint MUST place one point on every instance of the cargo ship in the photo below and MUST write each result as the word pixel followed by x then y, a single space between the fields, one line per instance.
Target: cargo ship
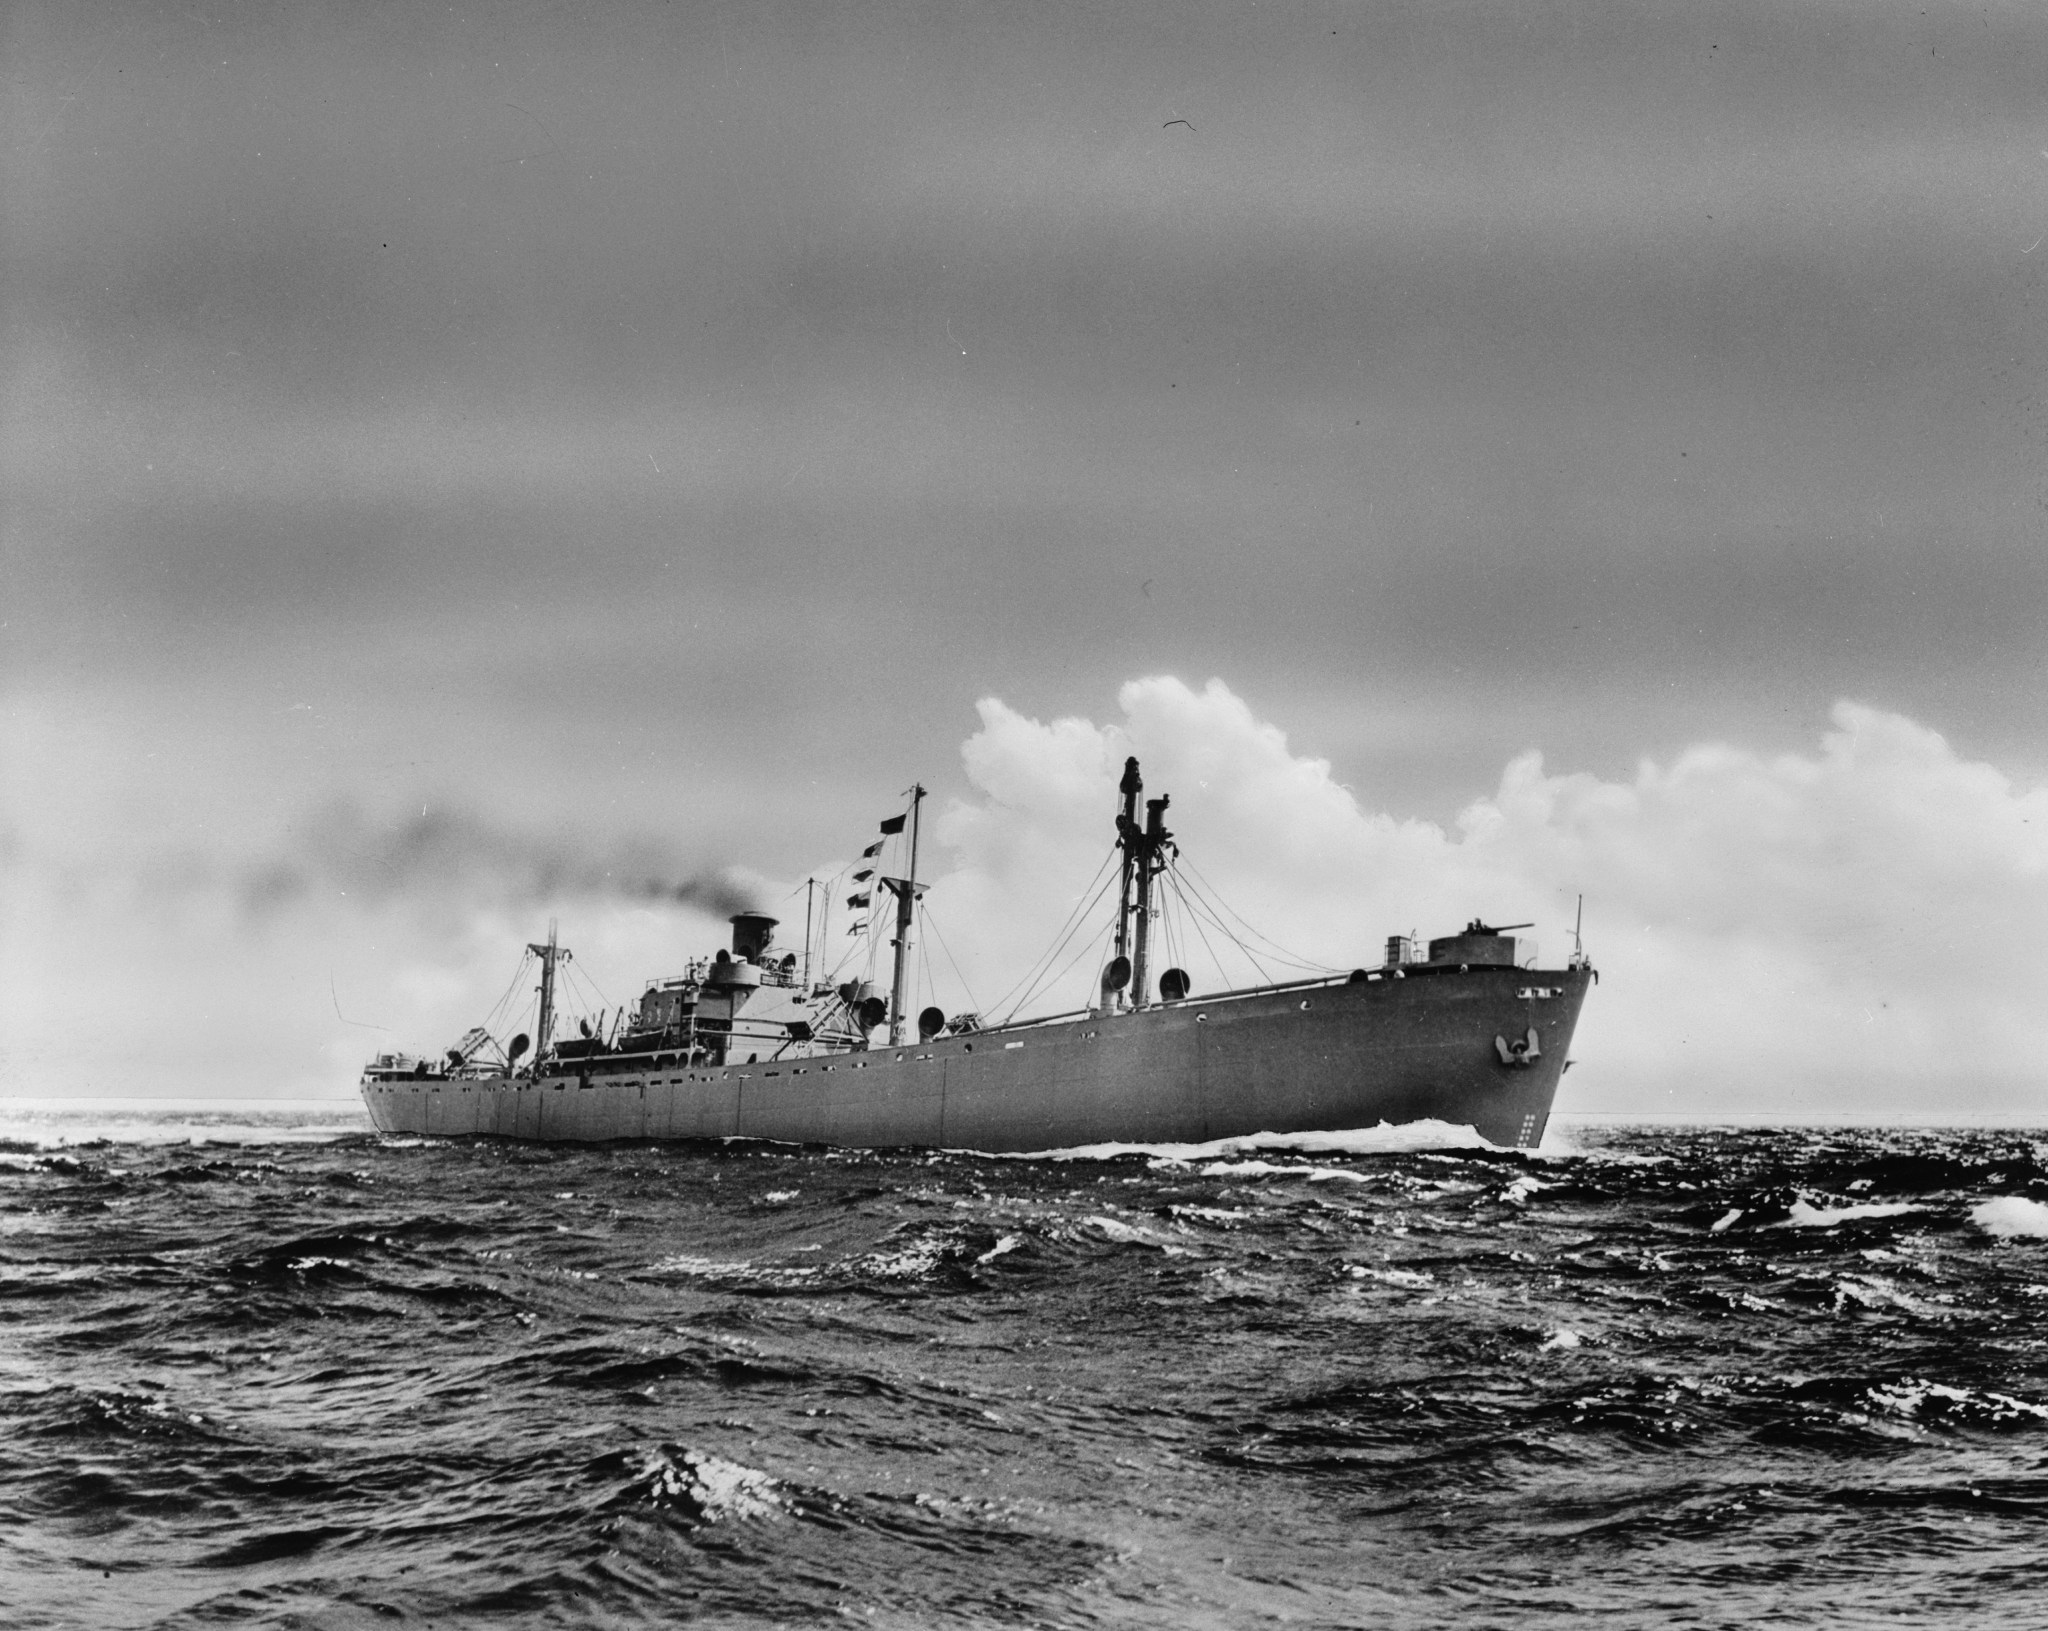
pixel 744 1044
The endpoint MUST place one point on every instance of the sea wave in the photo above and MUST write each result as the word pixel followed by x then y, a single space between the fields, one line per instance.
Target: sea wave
pixel 1391 1382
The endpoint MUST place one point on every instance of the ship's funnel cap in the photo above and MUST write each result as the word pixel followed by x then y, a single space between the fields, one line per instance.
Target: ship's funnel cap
pixel 751 932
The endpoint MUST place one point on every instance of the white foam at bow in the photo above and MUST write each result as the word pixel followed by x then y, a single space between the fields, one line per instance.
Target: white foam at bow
pixel 1384 1139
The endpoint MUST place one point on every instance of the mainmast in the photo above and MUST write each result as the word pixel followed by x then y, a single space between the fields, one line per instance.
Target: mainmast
pixel 906 891
pixel 1128 838
pixel 810 894
pixel 1149 862
pixel 549 955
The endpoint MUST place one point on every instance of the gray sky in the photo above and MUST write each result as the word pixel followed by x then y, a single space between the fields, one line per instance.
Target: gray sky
pixel 673 418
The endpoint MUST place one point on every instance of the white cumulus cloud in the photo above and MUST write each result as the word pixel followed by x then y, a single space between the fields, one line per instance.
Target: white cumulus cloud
pixel 1844 931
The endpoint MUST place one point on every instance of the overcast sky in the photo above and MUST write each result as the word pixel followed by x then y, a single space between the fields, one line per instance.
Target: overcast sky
pixel 658 428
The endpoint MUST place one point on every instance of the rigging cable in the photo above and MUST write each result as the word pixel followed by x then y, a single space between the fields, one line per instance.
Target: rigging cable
pixel 931 924
pixel 1211 896
pixel 1035 974
pixel 1222 973
pixel 497 1013
pixel 587 984
pixel 1199 904
pixel 1107 938
pixel 1173 915
pixel 1081 906
pixel 1197 910
pixel 1047 980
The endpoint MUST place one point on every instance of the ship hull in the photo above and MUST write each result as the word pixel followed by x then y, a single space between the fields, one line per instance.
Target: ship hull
pixel 1423 1046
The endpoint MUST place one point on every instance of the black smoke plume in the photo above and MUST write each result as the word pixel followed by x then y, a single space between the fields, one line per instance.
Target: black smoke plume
pixel 443 854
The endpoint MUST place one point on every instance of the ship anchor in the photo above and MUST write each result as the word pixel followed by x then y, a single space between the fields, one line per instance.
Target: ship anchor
pixel 1520 1053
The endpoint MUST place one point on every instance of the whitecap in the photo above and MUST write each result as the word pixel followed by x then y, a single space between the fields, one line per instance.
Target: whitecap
pixel 1211 1214
pixel 1409 1279
pixel 684 1263
pixel 1562 1337
pixel 913 1262
pixel 1805 1215
pixel 1908 1395
pixel 1722 1224
pixel 1281 1169
pixel 1874 1291
pixel 2007 1216
pixel 717 1489
pixel 1131 1234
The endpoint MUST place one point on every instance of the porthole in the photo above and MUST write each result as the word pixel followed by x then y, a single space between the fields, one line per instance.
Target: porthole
pixel 1201 1019
pixel 1305 1005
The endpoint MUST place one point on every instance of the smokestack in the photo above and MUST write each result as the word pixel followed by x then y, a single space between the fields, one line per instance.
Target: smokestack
pixel 751 932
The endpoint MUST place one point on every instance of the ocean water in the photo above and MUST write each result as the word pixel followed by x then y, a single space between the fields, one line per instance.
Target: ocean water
pixel 279 1372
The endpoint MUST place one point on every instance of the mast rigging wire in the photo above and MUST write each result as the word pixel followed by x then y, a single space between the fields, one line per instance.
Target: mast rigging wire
pixel 1034 974
pixel 1210 895
pixel 1198 909
pixel 1222 973
pixel 1106 939
pixel 497 1013
pixel 931 923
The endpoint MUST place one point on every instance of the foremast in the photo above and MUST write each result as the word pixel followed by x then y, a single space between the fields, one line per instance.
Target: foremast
pixel 906 890
pixel 1145 854
pixel 549 954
